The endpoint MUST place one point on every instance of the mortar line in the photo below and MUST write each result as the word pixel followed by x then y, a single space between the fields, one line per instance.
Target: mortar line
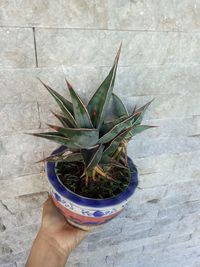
pixel 146 65
pixel 102 29
pixel 35 47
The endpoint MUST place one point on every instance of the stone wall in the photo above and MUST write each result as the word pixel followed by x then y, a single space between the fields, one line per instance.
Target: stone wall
pixel 160 58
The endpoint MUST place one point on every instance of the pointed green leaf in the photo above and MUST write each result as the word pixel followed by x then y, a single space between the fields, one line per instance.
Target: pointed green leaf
pixel 107 126
pixel 55 157
pixel 99 102
pixel 119 107
pixel 126 123
pixel 65 122
pixel 72 157
pixel 92 157
pixel 56 137
pixel 116 142
pixel 134 109
pixel 81 137
pixel 138 129
pixel 80 111
pixel 63 103
pixel 142 111
pixel 64 157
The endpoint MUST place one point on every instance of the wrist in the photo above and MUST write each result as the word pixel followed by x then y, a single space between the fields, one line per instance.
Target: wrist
pixel 45 253
pixel 52 244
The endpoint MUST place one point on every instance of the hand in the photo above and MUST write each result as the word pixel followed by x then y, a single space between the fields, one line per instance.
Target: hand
pixel 57 231
pixel 55 239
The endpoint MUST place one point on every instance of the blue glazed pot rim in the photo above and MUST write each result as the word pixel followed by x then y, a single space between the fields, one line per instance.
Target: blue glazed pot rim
pixel 84 201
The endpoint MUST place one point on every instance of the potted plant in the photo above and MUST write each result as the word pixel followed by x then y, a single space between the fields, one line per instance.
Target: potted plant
pixel 90 174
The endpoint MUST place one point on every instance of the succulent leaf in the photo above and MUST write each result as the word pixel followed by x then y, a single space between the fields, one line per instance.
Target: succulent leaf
pixel 80 111
pixel 65 122
pixel 87 133
pixel 115 142
pixel 63 103
pixel 142 110
pixel 99 102
pixel 81 137
pixel 56 137
pixel 119 107
pixel 93 156
pixel 107 126
pixel 64 156
pixel 138 129
pixel 126 123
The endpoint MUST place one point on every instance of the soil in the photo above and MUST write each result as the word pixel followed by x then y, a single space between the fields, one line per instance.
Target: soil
pixel 70 175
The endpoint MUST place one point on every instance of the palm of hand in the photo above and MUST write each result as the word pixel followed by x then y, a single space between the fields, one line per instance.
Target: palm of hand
pixel 58 230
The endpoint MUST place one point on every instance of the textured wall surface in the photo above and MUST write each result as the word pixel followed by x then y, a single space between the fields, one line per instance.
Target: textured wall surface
pixel 160 58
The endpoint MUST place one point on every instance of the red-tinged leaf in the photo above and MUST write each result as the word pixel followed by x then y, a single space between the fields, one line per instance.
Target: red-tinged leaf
pixel 107 126
pixel 92 156
pixel 138 129
pixel 99 102
pixel 65 157
pixel 142 110
pixel 126 123
pixel 58 138
pixel 116 142
pixel 65 122
pixel 63 103
pixel 80 111
pixel 119 107
pixel 54 156
pixel 81 137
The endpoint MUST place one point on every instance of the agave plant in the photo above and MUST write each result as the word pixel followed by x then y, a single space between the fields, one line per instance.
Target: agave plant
pixel 86 132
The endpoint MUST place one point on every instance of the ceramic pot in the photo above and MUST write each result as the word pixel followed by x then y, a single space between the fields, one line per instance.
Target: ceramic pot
pixel 85 212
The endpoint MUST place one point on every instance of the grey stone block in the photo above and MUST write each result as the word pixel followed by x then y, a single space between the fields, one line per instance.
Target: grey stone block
pixel 137 148
pixel 15 166
pixel 22 240
pixel 188 188
pixel 17 48
pixel 166 107
pixel 23 185
pixel 11 206
pixel 9 265
pixel 180 210
pixel 151 15
pixel 168 169
pixel 163 47
pixel 21 85
pixel 18 116
pixel 167 79
pixel 22 143
pixel 189 126
pixel 173 163
pixel 71 14
pixel 14 257
pixel 157 179
pixel 144 195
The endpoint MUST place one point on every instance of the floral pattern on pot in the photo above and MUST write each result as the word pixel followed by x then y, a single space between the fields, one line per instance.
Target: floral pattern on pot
pixel 87 211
